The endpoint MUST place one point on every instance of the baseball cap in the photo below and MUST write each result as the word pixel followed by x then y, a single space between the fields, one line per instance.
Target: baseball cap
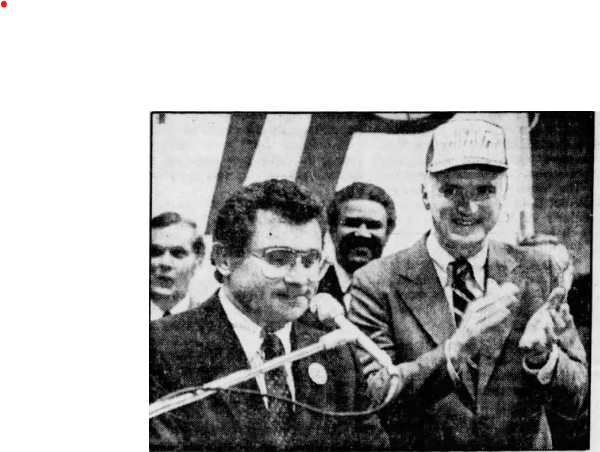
pixel 466 142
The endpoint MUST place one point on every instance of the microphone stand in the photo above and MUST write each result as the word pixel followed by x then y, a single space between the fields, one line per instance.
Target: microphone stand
pixel 332 340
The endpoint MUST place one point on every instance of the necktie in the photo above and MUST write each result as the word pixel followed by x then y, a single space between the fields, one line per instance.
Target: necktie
pixel 464 290
pixel 275 380
pixel 463 286
pixel 167 313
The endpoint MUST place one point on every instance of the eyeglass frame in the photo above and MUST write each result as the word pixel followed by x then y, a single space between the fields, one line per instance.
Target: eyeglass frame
pixel 323 263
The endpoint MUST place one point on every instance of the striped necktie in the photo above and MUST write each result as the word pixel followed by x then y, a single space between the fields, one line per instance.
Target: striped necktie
pixel 464 290
pixel 280 412
pixel 463 287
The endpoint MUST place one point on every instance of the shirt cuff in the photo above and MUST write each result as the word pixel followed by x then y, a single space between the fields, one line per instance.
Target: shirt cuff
pixel 544 375
pixel 451 370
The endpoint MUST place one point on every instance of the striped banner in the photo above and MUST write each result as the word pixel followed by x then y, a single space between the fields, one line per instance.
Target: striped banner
pixel 200 159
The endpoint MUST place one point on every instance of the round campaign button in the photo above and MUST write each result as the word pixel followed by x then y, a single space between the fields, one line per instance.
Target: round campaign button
pixel 317 373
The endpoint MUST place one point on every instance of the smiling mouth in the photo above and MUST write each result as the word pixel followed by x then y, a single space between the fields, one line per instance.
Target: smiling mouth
pixel 361 252
pixel 163 281
pixel 463 222
pixel 291 296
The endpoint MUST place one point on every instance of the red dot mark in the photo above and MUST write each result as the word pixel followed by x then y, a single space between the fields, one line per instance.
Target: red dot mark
pixel 3 4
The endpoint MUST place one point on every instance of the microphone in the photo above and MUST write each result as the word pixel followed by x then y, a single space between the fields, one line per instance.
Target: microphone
pixel 327 308
pixel 186 396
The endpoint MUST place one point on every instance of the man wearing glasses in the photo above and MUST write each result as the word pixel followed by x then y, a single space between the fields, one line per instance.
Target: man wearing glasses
pixel 267 253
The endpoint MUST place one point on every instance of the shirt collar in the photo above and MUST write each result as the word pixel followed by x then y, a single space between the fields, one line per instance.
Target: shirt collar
pixel 248 332
pixel 343 277
pixel 182 305
pixel 441 258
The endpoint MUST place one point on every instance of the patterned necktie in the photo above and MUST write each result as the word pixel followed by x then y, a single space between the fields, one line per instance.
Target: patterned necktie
pixel 463 286
pixel 464 290
pixel 280 412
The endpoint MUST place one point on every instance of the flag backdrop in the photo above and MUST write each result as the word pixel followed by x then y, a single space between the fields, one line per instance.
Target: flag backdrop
pixel 199 159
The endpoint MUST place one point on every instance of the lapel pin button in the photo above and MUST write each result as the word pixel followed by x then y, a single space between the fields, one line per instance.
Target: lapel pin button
pixel 317 373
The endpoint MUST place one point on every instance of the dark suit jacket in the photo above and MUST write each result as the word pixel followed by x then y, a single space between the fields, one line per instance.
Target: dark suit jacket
pixel 399 302
pixel 200 345
pixel 331 284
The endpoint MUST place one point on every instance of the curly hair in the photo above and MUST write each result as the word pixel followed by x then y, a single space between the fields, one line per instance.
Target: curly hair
pixel 362 190
pixel 235 223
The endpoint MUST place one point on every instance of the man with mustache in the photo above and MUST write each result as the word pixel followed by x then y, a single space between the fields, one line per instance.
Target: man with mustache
pixel 176 250
pixel 478 330
pixel 268 242
pixel 361 218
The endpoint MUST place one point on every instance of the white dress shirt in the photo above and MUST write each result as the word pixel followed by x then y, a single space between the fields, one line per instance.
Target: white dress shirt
pixel 182 305
pixel 441 259
pixel 249 335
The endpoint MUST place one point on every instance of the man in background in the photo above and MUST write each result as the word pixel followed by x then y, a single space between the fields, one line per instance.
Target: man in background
pixel 176 250
pixel 361 218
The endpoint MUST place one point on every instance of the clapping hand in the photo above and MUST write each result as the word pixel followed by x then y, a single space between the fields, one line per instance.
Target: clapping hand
pixel 544 327
pixel 480 316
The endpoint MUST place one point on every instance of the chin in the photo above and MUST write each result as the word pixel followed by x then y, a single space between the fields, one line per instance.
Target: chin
pixel 469 242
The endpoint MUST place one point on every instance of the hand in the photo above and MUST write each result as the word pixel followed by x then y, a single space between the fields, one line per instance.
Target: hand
pixel 480 316
pixel 543 328
pixel 563 320
pixel 325 307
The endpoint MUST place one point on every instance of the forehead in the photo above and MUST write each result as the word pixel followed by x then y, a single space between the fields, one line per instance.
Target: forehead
pixel 362 208
pixel 469 176
pixel 180 234
pixel 271 229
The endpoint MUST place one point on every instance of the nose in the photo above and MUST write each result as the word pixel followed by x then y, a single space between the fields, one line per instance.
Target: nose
pixel 362 231
pixel 165 260
pixel 297 274
pixel 467 206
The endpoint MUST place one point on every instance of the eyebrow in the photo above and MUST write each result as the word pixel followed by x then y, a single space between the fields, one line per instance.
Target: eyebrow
pixel 170 248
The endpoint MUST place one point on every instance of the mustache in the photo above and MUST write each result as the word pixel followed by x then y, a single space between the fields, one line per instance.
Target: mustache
pixel 374 244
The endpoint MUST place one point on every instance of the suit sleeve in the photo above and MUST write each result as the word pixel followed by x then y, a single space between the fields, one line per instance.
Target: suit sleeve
pixel 422 381
pixel 371 435
pixel 569 386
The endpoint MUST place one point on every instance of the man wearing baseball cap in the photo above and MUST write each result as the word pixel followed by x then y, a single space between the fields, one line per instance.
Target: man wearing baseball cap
pixel 477 328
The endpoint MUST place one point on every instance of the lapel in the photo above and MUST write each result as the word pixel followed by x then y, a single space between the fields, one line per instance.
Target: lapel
pixel 307 390
pixel 224 355
pixel 501 265
pixel 330 284
pixel 423 293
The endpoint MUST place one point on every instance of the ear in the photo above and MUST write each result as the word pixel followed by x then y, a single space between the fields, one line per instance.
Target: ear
pixel 222 262
pixel 425 196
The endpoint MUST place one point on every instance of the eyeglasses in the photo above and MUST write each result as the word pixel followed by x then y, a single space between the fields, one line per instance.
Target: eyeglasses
pixel 280 260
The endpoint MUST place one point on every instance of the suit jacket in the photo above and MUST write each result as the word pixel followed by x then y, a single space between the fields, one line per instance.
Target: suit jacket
pixel 399 302
pixel 331 284
pixel 200 345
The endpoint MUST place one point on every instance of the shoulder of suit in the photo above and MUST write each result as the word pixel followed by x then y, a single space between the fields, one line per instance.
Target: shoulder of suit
pixel 522 254
pixel 393 265
pixel 193 323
